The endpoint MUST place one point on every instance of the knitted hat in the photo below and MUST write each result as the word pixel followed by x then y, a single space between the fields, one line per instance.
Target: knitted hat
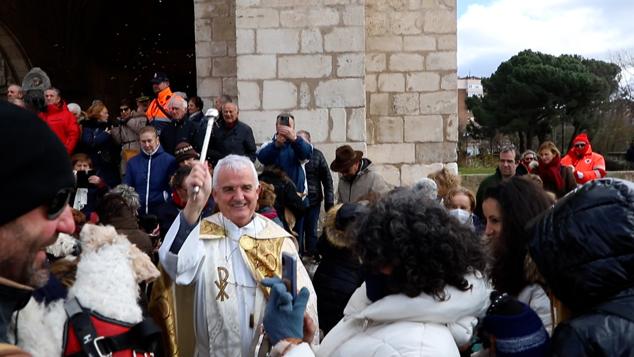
pixel 184 151
pixel 517 329
pixel 35 164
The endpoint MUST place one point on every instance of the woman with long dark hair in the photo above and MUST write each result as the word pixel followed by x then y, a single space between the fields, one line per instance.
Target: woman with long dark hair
pixel 507 208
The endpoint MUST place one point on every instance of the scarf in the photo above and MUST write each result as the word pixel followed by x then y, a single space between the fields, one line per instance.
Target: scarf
pixel 551 172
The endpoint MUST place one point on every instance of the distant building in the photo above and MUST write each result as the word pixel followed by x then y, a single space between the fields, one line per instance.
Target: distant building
pixel 467 87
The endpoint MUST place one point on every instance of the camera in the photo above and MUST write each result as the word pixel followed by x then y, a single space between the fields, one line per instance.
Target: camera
pixel 284 120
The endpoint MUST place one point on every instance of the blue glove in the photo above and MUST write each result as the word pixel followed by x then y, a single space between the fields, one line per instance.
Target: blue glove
pixel 284 318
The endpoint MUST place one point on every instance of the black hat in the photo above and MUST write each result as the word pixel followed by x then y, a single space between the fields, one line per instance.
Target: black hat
pixel 159 77
pixel 35 164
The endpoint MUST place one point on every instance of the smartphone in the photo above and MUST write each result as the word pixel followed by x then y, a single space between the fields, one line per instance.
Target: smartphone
pixel 284 120
pixel 82 177
pixel 289 273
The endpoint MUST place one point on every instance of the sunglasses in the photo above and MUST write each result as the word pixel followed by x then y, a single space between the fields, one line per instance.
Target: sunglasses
pixel 529 158
pixel 58 203
pixel 580 145
pixel 124 109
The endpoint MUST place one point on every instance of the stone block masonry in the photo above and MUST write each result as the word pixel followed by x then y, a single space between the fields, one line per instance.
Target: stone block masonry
pixel 410 63
pixel 379 75
pixel 306 57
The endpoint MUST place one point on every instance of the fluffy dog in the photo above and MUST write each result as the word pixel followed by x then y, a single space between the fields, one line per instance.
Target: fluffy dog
pixel 107 281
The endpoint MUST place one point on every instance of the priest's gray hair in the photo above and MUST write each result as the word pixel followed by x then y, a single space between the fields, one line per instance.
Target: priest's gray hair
pixel 234 163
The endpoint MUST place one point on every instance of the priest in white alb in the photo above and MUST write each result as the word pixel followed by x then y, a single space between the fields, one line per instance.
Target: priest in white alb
pixel 226 255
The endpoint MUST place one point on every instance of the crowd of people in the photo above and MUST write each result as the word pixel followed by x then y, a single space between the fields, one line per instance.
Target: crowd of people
pixel 540 261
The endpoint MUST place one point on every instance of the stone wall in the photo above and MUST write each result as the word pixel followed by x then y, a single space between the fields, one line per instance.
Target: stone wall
pixel 305 57
pixel 411 86
pixel 215 48
pixel 377 74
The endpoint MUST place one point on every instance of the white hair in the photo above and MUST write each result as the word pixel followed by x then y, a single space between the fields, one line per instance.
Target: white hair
pixel 234 163
pixel 177 100
pixel 427 187
pixel 74 108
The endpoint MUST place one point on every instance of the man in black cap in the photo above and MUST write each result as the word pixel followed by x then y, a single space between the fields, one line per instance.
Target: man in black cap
pixel 157 112
pixel 32 211
pixel 357 175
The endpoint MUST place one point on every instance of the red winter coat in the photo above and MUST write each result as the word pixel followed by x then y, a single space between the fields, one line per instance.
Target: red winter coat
pixel 586 165
pixel 63 123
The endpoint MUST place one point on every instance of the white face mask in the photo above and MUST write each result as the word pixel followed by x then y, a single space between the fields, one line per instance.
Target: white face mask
pixel 464 217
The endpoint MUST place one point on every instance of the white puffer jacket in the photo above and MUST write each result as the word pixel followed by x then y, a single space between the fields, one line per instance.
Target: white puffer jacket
pixel 398 325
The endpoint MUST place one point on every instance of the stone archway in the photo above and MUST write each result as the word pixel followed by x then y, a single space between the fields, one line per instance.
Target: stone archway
pixel 14 62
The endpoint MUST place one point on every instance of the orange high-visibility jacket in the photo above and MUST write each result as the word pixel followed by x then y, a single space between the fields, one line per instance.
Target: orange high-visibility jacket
pixel 153 111
pixel 587 167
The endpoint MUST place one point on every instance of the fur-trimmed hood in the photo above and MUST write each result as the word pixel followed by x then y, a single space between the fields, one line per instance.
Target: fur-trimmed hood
pixel 336 237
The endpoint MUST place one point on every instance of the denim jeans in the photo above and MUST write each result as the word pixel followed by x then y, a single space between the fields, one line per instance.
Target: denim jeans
pixel 311 221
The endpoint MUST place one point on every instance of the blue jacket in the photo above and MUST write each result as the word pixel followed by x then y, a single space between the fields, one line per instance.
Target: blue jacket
pixel 153 189
pixel 289 157
pixel 97 143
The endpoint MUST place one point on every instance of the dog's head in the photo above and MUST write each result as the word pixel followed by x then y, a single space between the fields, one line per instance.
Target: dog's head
pixel 65 246
pixel 95 237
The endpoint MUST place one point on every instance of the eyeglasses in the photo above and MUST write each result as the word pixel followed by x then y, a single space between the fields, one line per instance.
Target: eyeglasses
pixel 58 203
pixel 580 145
pixel 529 158
pixel 124 109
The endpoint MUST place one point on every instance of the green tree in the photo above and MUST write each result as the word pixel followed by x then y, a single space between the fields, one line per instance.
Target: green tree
pixel 532 91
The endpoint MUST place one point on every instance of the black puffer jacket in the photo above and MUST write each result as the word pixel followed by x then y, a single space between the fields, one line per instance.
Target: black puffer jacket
pixel 584 248
pixel 338 275
pixel 318 174
pixel 285 193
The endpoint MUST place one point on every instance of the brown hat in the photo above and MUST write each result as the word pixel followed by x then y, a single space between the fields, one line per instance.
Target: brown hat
pixel 345 157
pixel 184 151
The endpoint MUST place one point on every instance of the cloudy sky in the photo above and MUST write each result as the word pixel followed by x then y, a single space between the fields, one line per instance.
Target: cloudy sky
pixel 492 31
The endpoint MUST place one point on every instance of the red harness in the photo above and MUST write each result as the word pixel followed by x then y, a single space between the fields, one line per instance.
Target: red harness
pixel 103 327
pixel 102 336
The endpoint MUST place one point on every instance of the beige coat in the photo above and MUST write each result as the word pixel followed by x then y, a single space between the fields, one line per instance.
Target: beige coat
pixel 367 180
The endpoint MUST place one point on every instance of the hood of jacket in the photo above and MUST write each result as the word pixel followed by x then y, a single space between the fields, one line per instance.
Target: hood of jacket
pixel 56 108
pixel 579 153
pixel 94 123
pixel 583 246
pixel 364 168
pixel 335 236
pixel 423 308
pixel 458 312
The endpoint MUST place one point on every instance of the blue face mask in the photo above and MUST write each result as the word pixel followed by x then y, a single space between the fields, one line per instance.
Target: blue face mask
pixel 464 217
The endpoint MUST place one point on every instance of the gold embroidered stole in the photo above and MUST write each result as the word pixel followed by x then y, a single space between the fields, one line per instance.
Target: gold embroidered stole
pixel 261 254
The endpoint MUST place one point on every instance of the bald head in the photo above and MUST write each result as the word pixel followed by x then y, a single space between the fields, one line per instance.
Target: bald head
pixel 14 91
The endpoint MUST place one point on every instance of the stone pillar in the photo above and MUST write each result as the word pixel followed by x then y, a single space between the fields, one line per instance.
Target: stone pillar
pixel 411 86
pixel 215 48
pixel 305 57
pixel 377 74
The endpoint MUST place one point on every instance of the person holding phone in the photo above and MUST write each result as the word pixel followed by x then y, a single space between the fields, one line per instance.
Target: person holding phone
pixel 290 152
pixel 90 188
